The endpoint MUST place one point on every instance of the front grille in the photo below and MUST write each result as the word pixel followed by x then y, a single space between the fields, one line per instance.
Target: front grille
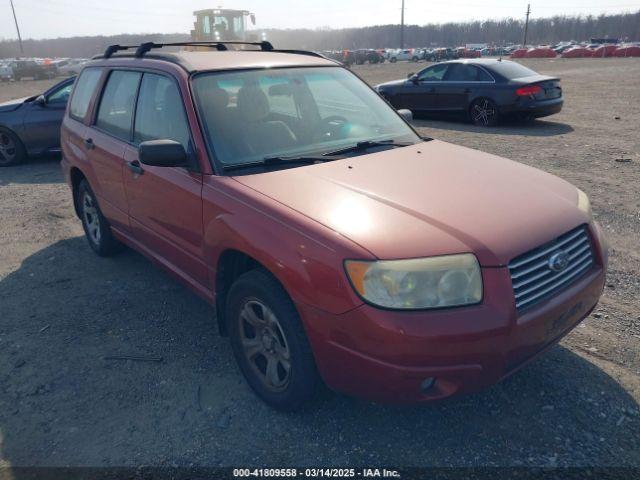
pixel 532 277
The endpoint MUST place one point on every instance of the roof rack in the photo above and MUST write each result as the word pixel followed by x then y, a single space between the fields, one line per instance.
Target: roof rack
pixel 219 46
pixel 147 46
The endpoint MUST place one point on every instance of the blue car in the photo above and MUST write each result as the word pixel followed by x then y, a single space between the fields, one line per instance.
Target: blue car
pixel 31 126
pixel 484 90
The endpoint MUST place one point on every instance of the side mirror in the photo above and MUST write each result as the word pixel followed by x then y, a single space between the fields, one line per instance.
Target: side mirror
pixel 406 114
pixel 41 100
pixel 162 153
pixel 414 78
pixel 409 75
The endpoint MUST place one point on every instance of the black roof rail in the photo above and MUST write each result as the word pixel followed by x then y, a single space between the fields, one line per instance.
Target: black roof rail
pixel 147 46
pixel 143 48
pixel 111 49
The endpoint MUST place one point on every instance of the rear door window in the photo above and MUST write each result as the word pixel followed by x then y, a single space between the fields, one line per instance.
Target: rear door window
pixel 83 91
pixel 115 114
pixel 460 72
pixel 160 113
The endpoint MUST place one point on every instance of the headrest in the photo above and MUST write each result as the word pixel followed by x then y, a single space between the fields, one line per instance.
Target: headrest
pixel 215 98
pixel 253 104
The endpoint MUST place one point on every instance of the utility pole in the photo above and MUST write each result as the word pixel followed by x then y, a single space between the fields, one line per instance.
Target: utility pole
pixel 402 27
pixel 526 26
pixel 15 19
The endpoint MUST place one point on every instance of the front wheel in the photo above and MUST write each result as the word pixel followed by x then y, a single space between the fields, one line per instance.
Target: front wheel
pixel 484 113
pixel 393 59
pixel 269 342
pixel 95 225
pixel 12 151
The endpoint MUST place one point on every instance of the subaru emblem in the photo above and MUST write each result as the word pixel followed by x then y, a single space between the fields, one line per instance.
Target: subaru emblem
pixel 558 261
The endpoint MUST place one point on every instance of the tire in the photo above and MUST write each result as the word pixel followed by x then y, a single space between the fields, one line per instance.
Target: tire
pixel 414 59
pixel 484 113
pixel 95 225
pixel 12 151
pixel 266 335
pixel 393 59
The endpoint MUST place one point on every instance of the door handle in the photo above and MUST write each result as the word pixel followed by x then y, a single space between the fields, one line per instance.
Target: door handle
pixel 432 90
pixel 89 143
pixel 135 167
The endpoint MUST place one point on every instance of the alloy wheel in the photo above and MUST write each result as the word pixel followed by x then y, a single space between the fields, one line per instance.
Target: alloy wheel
pixel 91 218
pixel 483 113
pixel 8 149
pixel 265 345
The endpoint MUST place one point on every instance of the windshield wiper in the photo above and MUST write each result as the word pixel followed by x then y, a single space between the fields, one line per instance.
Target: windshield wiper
pixel 280 160
pixel 360 146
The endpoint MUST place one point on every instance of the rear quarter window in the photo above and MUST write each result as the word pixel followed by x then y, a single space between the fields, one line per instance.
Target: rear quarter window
pixel 83 91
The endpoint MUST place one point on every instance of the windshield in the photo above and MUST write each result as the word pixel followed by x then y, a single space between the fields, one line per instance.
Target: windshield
pixel 510 70
pixel 253 114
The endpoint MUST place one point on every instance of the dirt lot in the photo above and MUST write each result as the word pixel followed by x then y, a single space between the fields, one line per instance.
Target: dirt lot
pixel 62 309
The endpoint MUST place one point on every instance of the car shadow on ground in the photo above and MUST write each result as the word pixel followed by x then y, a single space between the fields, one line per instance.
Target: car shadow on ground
pixel 44 169
pixel 64 402
pixel 533 128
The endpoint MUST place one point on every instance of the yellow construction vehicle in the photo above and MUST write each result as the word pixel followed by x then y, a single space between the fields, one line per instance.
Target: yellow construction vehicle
pixel 223 25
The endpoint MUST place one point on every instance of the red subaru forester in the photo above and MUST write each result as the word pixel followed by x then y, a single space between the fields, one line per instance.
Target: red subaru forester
pixel 336 244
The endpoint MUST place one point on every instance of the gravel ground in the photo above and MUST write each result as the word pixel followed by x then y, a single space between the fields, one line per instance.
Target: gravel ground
pixel 62 310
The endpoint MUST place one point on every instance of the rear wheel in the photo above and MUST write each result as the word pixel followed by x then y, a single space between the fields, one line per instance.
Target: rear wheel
pixel 96 227
pixel 393 59
pixel 484 112
pixel 12 151
pixel 269 342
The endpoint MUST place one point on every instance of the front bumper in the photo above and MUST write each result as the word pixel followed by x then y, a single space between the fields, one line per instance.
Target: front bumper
pixel 387 355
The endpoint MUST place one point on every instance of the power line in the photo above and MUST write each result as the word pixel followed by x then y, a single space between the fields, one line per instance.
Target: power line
pixel 402 27
pixel 15 19
pixel 526 26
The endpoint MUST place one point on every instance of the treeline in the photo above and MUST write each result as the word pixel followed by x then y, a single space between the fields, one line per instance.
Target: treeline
pixel 496 32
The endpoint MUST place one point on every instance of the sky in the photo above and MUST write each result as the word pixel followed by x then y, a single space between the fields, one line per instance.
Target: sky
pixel 67 18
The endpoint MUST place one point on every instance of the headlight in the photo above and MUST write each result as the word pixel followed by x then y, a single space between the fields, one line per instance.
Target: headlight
pixel 436 282
pixel 583 203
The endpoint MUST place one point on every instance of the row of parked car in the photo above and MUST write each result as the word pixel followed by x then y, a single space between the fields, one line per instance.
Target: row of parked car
pixel 579 50
pixel 39 69
pixel 381 55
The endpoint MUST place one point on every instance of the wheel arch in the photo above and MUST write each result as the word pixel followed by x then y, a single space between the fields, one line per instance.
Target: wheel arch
pixel 76 176
pixel 230 265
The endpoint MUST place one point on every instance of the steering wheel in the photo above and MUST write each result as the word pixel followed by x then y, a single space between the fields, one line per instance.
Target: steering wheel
pixel 331 126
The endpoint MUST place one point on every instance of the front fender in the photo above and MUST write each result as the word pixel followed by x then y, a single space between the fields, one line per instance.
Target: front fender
pixel 303 255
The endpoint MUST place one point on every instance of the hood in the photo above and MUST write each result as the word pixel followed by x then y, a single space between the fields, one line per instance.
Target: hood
pixel 393 83
pixel 12 105
pixel 432 198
